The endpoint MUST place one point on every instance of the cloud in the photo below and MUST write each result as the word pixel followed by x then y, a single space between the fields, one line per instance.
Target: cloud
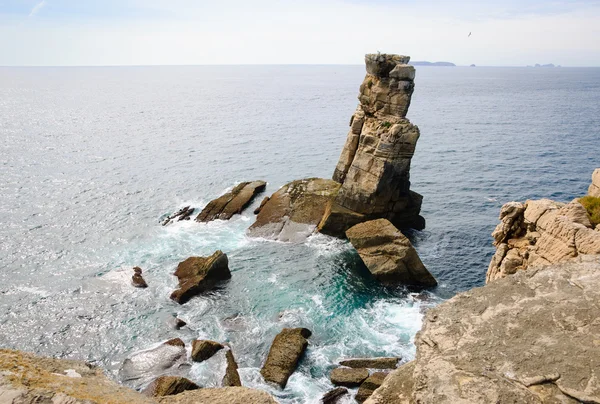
pixel 37 8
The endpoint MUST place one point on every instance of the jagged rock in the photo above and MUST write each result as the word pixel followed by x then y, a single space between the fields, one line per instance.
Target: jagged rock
pixel 374 165
pixel 137 280
pixel 233 202
pixel 348 377
pixel 594 189
pixel 225 395
pixel 232 377
pixel 262 203
pixel 182 214
pixel 169 385
pixel 146 365
pixel 285 353
pixel 367 387
pixel 179 323
pixel 531 337
pixel 388 254
pixel 294 211
pixel 371 363
pixel 199 274
pixel 204 349
pixel 333 396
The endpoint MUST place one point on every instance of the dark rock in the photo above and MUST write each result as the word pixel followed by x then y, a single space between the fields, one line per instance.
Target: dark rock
pixel 137 270
pixel 369 386
pixel 348 377
pixel 169 385
pixel 204 349
pixel 333 396
pixel 287 349
pixel 138 281
pixel 175 342
pixel 371 363
pixel 179 323
pixel 199 274
pixel 232 377
pixel 233 202
pixel 264 201
pixel 183 214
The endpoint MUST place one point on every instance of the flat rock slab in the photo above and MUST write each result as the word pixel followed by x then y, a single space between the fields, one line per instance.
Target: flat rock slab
pixel 169 385
pixel 367 387
pixel 285 353
pixel 333 396
pixel 233 202
pixel 371 363
pixel 348 377
pixel 199 274
pixel 225 395
pixel 294 211
pixel 204 349
pixel 388 254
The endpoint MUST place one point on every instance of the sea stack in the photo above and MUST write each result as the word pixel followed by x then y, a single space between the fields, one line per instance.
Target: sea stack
pixel 374 166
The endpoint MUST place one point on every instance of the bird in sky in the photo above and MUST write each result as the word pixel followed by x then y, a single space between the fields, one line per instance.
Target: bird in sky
pixel 469 35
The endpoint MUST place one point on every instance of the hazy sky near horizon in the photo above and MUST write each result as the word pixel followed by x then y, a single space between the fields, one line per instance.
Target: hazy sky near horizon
pixel 150 32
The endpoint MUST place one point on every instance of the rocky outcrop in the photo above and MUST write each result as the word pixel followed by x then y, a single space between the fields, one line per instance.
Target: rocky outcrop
pixel 144 366
pixel 594 189
pixel 334 395
pixel 182 214
pixel 367 387
pixel 348 377
pixel 285 353
pixel 374 166
pixel 226 395
pixel 137 280
pixel 388 254
pixel 233 202
pixel 540 232
pixel 169 385
pixel 204 349
pixel 371 363
pixel 294 211
pixel 527 338
pixel 27 378
pixel 232 377
pixel 199 274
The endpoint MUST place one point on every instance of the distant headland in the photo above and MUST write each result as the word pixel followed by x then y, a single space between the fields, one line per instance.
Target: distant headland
pixel 424 63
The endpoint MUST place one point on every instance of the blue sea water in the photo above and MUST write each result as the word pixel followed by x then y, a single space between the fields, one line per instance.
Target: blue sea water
pixel 92 158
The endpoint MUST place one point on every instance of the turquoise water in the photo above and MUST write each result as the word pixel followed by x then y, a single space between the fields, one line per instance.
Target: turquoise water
pixel 92 158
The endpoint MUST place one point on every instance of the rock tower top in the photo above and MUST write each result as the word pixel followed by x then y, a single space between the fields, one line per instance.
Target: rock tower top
pixel 382 64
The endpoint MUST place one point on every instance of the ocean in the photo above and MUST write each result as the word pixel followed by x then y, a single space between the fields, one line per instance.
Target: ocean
pixel 92 158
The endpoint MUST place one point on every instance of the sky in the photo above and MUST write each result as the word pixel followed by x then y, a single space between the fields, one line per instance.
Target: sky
pixel 188 32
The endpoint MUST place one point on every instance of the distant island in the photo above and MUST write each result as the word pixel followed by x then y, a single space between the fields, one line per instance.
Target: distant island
pixel 422 63
pixel 546 65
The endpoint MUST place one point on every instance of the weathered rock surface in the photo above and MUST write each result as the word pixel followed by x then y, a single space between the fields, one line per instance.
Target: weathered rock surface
pixel 294 211
pixel 348 377
pixel 226 395
pixel 137 280
pixel 285 353
pixel 367 387
pixel 540 232
pixel 169 385
pixel 199 274
pixel 26 378
pixel 333 396
pixel 144 366
pixel 388 254
pixel 594 189
pixel 262 203
pixel 182 214
pixel 527 338
pixel 374 166
pixel 204 349
pixel 232 377
pixel 371 363
pixel 233 202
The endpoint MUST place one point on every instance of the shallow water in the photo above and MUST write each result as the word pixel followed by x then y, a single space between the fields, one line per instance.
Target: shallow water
pixel 92 158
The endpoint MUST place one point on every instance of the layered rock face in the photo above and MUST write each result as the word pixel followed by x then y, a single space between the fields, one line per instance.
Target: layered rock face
pixel 527 338
pixel 233 202
pixel 373 169
pixel 540 232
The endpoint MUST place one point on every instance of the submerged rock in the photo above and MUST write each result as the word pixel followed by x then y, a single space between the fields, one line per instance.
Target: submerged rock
pixel 388 254
pixel 233 202
pixel 204 349
pixel 232 377
pixel 374 166
pixel 594 189
pixel 371 363
pixel 169 385
pixel 182 214
pixel 333 396
pixel 348 377
pixel 137 280
pixel 285 353
pixel 179 323
pixel 294 211
pixel 225 395
pixel 367 387
pixel 531 337
pixel 199 274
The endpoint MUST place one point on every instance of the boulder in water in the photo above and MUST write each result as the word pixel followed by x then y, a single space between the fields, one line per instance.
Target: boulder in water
pixel 182 214
pixel 233 202
pixel 199 274
pixel 388 254
pixel 204 349
pixel 348 377
pixel 285 353
pixel 367 387
pixel 232 377
pixel 224 395
pixel 371 363
pixel 169 385
pixel 334 395
pixel 137 280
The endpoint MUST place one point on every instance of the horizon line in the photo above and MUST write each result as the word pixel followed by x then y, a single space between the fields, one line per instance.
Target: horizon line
pixel 274 64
